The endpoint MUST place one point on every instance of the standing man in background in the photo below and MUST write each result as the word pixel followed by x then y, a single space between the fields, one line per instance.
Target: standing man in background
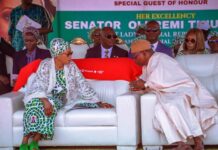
pixel 36 13
pixel 152 32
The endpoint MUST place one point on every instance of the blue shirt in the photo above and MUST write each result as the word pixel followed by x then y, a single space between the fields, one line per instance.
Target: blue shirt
pixel 31 56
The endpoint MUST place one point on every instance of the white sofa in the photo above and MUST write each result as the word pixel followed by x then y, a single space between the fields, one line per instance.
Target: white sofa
pixel 118 126
pixel 205 68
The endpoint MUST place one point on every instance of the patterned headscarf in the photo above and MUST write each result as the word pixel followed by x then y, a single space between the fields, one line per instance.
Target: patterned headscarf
pixel 32 30
pixel 58 46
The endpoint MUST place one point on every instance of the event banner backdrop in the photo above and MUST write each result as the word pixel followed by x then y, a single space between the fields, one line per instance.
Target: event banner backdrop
pixel 75 18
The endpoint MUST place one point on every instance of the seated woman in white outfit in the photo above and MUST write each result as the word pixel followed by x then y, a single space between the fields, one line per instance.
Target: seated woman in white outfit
pixel 58 83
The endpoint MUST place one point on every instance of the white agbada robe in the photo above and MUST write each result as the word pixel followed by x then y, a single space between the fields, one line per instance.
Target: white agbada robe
pixel 184 107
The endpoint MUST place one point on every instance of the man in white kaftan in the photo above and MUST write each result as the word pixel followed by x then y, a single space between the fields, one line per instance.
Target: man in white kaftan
pixel 184 107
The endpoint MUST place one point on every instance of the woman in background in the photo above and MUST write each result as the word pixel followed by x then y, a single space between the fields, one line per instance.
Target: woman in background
pixel 194 43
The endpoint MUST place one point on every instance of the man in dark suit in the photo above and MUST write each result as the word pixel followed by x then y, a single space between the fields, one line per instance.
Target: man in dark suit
pixel 5 49
pixel 152 32
pixel 21 58
pixel 107 48
pixel 31 53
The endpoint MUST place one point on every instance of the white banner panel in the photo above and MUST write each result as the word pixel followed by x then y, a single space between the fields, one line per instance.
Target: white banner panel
pixel 132 5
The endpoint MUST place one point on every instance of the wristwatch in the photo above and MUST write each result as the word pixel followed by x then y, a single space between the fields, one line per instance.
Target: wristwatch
pixel 146 86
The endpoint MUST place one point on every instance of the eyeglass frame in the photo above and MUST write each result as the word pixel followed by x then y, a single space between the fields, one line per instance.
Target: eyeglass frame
pixel 110 36
pixel 152 30
pixel 193 41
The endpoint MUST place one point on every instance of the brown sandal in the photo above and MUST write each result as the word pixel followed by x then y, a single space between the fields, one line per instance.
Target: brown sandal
pixel 199 147
pixel 183 147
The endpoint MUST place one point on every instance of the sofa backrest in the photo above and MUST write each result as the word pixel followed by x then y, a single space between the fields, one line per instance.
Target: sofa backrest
pixel 204 67
pixel 200 65
pixel 108 90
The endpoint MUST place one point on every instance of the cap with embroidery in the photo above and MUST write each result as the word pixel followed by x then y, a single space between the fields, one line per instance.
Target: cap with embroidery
pixel 140 45
pixel 203 25
pixel 58 46
pixel 32 30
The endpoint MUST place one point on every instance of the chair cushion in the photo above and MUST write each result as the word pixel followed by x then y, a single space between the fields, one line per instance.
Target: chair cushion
pixel 92 68
pixel 108 90
pixel 109 69
pixel 77 117
pixel 25 72
pixel 91 117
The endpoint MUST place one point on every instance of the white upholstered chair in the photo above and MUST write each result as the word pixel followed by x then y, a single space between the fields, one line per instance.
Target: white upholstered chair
pixel 79 48
pixel 122 44
pixel 118 126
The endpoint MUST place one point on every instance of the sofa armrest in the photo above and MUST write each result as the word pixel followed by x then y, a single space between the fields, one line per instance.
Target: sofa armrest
pixel 150 136
pixel 9 103
pixel 128 118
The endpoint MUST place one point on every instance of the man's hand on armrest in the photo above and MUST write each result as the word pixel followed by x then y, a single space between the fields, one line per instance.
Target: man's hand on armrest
pixel 137 85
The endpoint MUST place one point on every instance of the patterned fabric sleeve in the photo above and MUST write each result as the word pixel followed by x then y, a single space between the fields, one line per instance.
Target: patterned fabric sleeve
pixel 85 91
pixel 39 85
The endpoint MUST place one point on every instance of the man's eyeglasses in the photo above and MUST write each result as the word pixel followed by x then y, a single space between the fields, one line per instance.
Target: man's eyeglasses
pixel 152 30
pixel 190 40
pixel 212 41
pixel 111 36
